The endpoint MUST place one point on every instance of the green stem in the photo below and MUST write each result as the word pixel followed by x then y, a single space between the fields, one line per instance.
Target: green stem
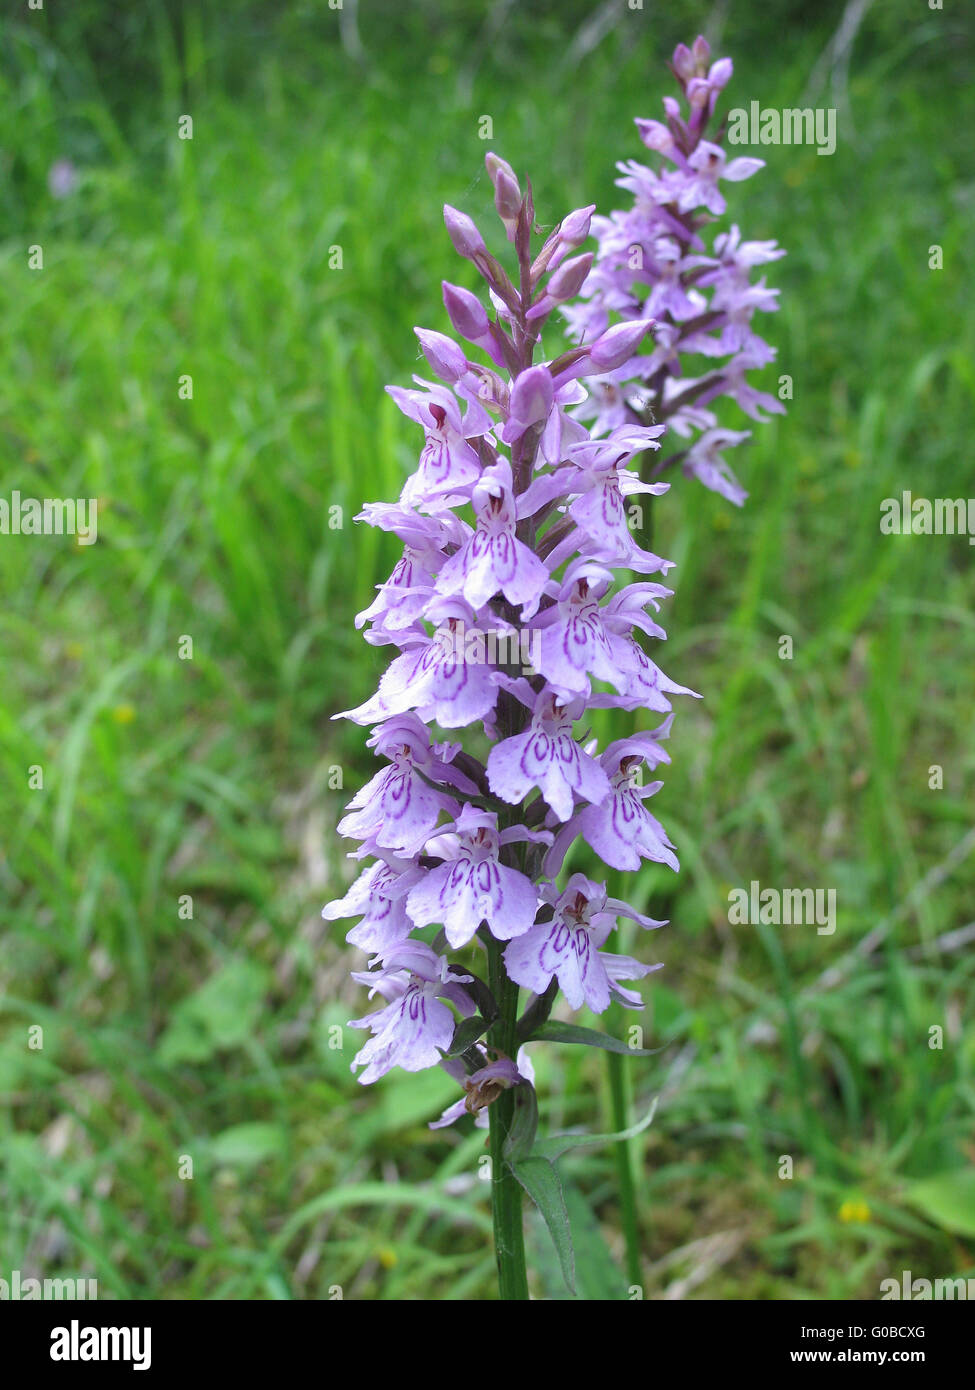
pixel 619 1093
pixel 509 1238
pixel 621 1109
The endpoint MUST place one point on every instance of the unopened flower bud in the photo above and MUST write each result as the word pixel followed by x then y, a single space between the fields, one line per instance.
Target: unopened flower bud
pixel 466 312
pixel 569 279
pixel 683 62
pixel 443 354
pixel 575 227
pixel 701 50
pixel 698 91
pixel 656 136
pixel 507 194
pixel 720 74
pixel 532 395
pixel 463 233
pixel 496 165
pixel 618 344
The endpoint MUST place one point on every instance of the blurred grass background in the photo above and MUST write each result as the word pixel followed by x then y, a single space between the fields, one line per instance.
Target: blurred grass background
pixel 209 1036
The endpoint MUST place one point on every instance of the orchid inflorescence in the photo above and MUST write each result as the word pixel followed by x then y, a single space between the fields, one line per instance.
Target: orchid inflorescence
pixel 518 537
pixel 548 527
pixel 653 260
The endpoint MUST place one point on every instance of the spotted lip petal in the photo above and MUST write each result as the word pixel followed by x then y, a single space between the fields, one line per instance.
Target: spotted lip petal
pixel 568 948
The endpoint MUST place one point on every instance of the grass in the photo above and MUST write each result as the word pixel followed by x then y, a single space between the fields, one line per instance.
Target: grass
pixel 217 1036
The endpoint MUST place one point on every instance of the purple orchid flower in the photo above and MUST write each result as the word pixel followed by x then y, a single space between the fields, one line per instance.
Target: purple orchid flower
pixel 547 756
pixel 619 827
pixel 448 464
pixel 398 809
pixel 416 1025
pixel 471 885
pixel 567 946
pixel 710 163
pixel 494 559
pixel 378 898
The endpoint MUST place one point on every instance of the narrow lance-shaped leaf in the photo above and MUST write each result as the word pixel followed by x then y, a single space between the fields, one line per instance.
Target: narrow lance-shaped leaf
pixel 540 1179
pixel 589 1037
pixel 561 1143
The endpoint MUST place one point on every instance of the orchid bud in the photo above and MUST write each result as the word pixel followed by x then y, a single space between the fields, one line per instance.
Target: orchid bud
pixel 656 136
pixel 466 312
pixel 532 396
pixel 575 228
pixel 463 233
pixel 569 279
pixel 565 284
pixel 443 354
pixel 701 50
pixel 698 91
pixel 572 231
pixel 507 194
pixel 618 344
pixel 496 166
pixel 683 62
pixel 720 74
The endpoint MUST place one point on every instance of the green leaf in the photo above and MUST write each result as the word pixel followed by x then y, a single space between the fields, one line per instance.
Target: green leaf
pixel 521 1134
pixel 948 1199
pixel 466 1033
pixel 541 1181
pixel 600 1280
pixel 537 1012
pixel 248 1144
pixel 588 1037
pixel 560 1143
pixel 598 1277
pixel 482 998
